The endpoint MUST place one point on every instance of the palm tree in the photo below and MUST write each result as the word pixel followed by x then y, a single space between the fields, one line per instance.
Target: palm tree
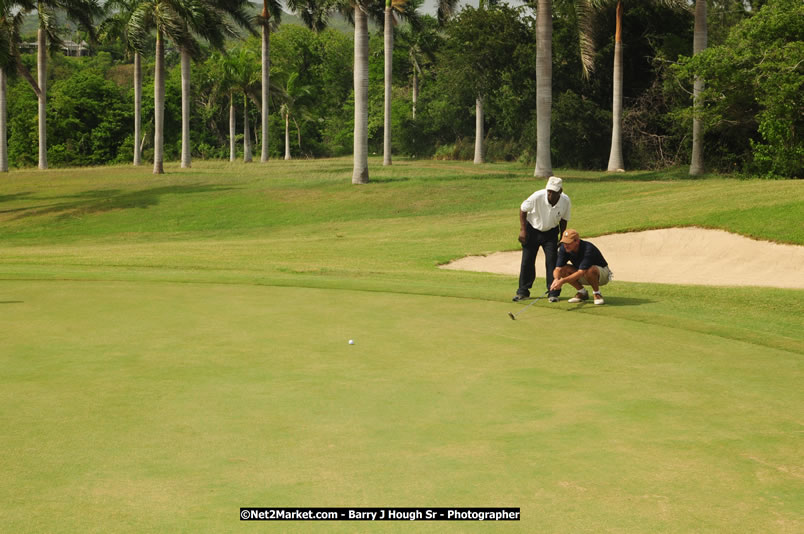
pixel 544 87
pixel 357 12
pixel 698 46
pixel 12 13
pixel 314 13
pixel 270 9
pixel 81 11
pixel 116 27
pixel 421 49
pixel 544 70
pixel 180 21
pixel 422 42
pixel 479 100
pixel 616 163
pixel 407 8
pixel 165 18
pixel 388 46
pixel 244 76
pixel 206 19
pixel 221 71
pixel 360 173
pixel 293 96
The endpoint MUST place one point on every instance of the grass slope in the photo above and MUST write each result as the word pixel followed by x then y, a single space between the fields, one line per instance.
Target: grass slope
pixel 174 347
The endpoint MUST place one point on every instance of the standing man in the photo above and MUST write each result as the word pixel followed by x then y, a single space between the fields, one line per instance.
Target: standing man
pixel 589 267
pixel 543 217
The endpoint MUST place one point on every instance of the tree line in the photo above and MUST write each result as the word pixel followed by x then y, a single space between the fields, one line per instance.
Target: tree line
pixel 585 83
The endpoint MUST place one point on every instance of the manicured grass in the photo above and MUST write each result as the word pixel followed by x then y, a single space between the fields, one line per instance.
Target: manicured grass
pixel 175 347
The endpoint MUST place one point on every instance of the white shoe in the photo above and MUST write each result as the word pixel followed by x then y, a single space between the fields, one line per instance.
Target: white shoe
pixel 580 296
pixel 599 299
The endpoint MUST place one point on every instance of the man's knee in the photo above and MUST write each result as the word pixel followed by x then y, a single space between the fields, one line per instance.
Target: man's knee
pixel 565 271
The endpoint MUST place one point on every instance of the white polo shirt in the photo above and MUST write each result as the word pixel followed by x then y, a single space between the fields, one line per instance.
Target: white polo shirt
pixel 541 215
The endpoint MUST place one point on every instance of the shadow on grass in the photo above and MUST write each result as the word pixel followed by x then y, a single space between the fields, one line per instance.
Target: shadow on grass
pixel 611 302
pixel 665 175
pixel 389 179
pixel 103 200
pixel 336 169
pixel 16 196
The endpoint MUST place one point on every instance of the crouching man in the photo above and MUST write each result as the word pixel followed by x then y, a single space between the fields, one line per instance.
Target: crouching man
pixel 589 267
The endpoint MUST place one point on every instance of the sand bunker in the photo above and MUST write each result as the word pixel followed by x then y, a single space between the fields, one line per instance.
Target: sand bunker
pixel 689 256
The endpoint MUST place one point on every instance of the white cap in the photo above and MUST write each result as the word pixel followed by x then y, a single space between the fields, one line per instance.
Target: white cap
pixel 554 184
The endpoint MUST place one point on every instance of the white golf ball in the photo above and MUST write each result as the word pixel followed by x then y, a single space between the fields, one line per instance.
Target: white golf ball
pixel 351 341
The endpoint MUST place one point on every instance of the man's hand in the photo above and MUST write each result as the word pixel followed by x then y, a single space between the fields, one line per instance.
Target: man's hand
pixel 523 227
pixel 557 283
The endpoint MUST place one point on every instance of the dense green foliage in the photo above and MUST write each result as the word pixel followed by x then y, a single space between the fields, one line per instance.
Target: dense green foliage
pixel 753 72
pixel 755 82
pixel 88 115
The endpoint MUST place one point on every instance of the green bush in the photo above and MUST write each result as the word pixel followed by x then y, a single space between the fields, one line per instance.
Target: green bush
pixel 752 101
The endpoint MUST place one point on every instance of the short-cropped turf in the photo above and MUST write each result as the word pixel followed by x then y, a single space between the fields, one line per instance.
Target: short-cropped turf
pixel 175 347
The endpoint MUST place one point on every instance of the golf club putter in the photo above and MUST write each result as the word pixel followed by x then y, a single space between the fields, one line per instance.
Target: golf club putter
pixel 513 315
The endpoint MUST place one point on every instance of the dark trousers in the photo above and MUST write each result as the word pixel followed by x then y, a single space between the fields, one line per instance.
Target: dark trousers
pixel 548 241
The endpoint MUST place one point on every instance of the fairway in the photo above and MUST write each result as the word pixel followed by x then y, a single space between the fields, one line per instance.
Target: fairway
pixel 176 347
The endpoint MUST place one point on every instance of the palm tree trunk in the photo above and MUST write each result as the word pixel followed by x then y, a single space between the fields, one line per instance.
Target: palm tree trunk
pixel 137 107
pixel 3 129
pixel 246 133
pixel 544 87
pixel 159 104
pixel 616 155
pixel 232 128
pixel 415 91
pixel 389 54
pixel 360 174
pixel 266 73
pixel 699 45
pixel 479 130
pixel 185 108
pixel 41 67
pixel 287 137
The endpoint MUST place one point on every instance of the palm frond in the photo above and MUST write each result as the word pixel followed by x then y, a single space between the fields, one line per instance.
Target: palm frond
pixel 446 9
pixel 682 5
pixel 48 23
pixel 407 10
pixel 314 13
pixel 585 15
pixel 238 12
pixel 84 12
pixel 273 15
pixel 140 24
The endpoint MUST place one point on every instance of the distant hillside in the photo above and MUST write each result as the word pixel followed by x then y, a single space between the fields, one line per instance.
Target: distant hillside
pixel 29 26
pixel 336 20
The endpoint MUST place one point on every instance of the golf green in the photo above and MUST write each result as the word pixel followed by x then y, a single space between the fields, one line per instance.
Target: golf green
pixel 165 407
pixel 175 347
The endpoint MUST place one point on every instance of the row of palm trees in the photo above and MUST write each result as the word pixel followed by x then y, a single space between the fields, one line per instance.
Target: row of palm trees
pixel 186 22
pixel 12 13
pixel 585 10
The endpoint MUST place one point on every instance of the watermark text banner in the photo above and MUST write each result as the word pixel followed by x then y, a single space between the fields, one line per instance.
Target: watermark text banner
pixel 379 514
